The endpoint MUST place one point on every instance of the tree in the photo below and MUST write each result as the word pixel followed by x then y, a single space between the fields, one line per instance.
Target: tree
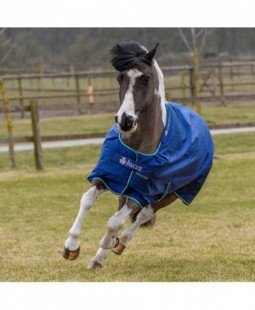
pixel 6 46
pixel 195 43
pixel 4 53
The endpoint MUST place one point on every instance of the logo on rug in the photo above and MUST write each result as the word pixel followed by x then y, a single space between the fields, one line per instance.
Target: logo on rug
pixel 123 161
pixel 132 164
pixel 128 163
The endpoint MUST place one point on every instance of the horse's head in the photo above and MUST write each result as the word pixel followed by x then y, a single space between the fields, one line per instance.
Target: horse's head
pixel 138 79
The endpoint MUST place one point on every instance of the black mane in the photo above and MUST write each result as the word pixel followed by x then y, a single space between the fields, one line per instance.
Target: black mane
pixel 128 55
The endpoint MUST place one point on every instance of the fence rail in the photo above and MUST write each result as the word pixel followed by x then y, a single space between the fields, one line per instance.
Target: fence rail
pixel 97 91
pixel 88 91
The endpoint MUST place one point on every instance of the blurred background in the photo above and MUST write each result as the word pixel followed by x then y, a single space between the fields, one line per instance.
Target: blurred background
pixel 88 48
pixel 64 75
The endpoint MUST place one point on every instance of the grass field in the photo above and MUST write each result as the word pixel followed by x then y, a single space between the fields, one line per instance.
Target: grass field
pixel 212 240
pixel 214 115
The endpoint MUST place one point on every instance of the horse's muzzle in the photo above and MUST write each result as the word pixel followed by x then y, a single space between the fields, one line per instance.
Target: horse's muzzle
pixel 126 122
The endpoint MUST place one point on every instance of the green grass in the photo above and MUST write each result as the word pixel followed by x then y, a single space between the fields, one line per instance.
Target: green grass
pixel 62 125
pixel 214 115
pixel 212 240
pixel 240 114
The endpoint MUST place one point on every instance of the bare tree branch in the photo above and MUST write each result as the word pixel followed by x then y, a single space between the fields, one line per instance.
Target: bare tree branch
pixel 2 31
pixel 7 54
pixel 185 40
pixel 206 33
pixel 195 48
pixel 6 42
pixel 199 33
pixel 193 34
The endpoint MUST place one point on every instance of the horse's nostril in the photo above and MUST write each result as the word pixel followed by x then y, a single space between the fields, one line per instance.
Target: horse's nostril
pixel 130 118
pixel 127 117
pixel 116 119
pixel 127 121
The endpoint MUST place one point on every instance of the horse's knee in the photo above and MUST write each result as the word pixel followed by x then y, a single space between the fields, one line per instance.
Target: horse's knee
pixel 84 202
pixel 115 223
pixel 145 214
pixel 86 198
pixel 119 218
pixel 89 197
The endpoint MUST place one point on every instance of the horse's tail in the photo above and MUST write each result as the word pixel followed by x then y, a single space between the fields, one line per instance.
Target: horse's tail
pixel 148 224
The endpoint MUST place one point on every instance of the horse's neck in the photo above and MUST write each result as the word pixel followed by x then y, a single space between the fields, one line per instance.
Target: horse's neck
pixel 148 134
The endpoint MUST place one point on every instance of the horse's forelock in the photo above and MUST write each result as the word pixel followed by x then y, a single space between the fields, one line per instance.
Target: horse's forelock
pixel 128 55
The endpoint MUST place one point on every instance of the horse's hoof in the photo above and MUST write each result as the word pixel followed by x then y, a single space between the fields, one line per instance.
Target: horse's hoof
pixel 119 248
pixel 94 264
pixel 71 255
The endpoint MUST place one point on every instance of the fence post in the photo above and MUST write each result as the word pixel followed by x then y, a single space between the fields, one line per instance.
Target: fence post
pixel 38 80
pixel 222 101
pixel 231 75
pixel 21 97
pixel 252 70
pixel 90 93
pixel 192 85
pixel 9 124
pixel 182 76
pixel 77 86
pixel 214 85
pixel 35 122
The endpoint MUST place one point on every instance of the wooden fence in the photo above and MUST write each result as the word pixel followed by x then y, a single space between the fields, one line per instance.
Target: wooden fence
pixel 75 92
pixel 97 91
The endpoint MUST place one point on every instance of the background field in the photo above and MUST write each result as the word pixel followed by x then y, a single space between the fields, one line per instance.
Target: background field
pixel 212 240
pixel 242 115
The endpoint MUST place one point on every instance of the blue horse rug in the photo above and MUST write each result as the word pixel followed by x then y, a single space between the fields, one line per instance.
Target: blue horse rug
pixel 180 164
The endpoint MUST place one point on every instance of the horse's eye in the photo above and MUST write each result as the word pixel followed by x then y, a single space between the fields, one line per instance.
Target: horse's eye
pixel 120 77
pixel 145 78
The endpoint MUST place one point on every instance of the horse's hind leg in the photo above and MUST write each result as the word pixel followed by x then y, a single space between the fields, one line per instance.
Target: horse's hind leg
pixel 72 245
pixel 145 215
pixel 97 261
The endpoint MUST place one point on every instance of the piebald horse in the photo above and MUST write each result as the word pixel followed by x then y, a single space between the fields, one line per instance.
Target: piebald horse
pixel 155 153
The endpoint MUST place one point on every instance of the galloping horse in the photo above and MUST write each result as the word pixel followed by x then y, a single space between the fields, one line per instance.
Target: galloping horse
pixel 155 153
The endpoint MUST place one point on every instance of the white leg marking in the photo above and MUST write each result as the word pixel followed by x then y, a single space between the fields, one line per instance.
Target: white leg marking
pixel 87 201
pixel 144 216
pixel 100 256
pixel 113 225
pixel 128 104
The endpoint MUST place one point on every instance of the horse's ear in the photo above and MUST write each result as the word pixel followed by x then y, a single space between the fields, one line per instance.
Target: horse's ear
pixel 150 55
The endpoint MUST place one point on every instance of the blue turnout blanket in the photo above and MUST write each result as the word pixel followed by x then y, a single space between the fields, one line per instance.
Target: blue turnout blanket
pixel 180 164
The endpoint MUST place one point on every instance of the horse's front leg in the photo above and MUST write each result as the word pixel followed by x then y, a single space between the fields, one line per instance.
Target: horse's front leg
pixel 109 240
pixel 72 245
pixel 145 215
